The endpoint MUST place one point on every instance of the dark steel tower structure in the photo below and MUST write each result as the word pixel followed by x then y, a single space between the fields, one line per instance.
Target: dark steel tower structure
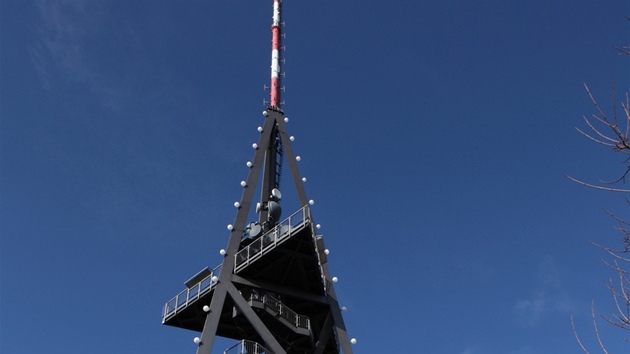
pixel 273 292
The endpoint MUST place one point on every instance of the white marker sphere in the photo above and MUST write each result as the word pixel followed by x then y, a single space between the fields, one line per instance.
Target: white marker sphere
pixel 311 202
pixel 255 146
pixel 265 113
pixel 292 138
pixel 237 204
pixel 335 279
pixel 353 341
pixel 206 308
pixel 243 184
pixel 249 164
pixel 260 129
pixel 303 179
pixel 286 119
pixel 297 158
pixel 230 227
pixel 222 252
pixel 197 340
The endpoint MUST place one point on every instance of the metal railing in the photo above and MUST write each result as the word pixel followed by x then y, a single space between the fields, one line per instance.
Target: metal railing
pixel 299 321
pixel 247 347
pixel 187 296
pixel 281 232
pixel 268 241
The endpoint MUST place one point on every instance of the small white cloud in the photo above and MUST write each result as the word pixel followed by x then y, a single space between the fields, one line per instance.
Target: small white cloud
pixel 530 311
pixel 549 296
pixel 59 55
pixel 58 50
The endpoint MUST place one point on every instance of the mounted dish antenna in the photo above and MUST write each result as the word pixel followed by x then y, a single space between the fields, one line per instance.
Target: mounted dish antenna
pixel 254 230
pixel 275 210
pixel 276 195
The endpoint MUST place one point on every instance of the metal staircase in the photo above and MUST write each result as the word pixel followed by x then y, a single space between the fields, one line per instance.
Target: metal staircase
pixel 299 324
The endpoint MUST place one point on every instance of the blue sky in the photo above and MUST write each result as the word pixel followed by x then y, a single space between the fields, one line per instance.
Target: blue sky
pixel 435 136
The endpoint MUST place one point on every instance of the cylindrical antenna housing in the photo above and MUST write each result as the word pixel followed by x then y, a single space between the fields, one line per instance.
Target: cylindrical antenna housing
pixel 275 55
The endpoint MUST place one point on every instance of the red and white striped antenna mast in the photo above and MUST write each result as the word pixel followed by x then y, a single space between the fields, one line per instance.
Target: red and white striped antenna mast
pixel 276 73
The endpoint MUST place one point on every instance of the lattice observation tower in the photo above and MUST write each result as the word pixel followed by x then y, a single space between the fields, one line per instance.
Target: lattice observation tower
pixel 272 293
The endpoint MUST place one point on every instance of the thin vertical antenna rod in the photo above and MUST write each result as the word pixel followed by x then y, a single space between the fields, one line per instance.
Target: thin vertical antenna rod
pixel 275 55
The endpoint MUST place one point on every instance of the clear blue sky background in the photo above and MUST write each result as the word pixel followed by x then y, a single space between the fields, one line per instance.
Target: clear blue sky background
pixel 435 136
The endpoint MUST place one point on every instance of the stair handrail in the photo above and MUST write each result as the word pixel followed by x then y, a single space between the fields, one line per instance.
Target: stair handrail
pixel 247 347
pixel 299 321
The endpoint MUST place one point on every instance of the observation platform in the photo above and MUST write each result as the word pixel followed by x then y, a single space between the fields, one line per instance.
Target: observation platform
pixel 287 259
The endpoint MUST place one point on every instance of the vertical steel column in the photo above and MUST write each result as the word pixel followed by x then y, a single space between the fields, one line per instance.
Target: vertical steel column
pixel 269 181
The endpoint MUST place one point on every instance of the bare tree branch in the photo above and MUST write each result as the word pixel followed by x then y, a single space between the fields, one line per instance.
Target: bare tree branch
pixel 598 187
pixel 620 220
pixel 620 137
pixel 598 133
pixel 596 329
pixel 613 133
pixel 596 140
pixel 578 337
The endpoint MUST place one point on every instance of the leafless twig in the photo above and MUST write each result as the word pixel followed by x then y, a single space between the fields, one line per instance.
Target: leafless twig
pixel 578 337
pixel 609 132
pixel 595 329
pixel 598 187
